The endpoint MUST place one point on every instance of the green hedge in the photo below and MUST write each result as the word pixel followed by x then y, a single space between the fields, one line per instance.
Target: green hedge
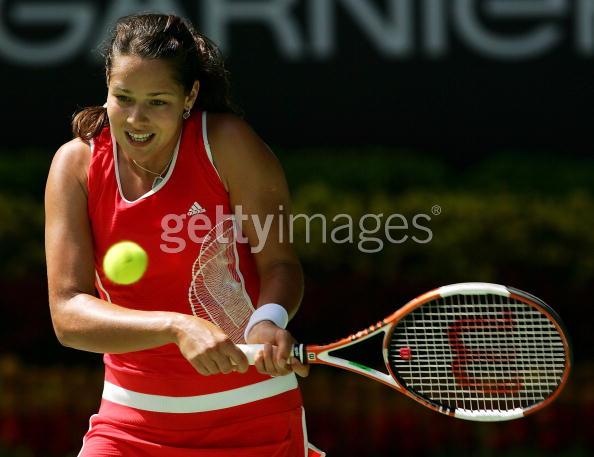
pixel 371 169
pixel 24 172
pixel 508 212
pixel 475 237
pixel 394 171
pixel 21 236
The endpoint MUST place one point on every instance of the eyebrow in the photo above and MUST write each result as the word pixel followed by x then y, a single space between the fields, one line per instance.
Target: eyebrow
pixel 152 94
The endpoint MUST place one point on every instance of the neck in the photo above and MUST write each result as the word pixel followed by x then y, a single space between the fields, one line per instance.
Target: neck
pixel 154 172
pixel 154 176
pixel 155 166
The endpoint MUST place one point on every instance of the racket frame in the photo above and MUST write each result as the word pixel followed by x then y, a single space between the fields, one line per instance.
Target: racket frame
pixel 320 354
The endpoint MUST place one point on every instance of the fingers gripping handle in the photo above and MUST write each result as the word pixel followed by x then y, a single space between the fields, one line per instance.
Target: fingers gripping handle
pixel 251 350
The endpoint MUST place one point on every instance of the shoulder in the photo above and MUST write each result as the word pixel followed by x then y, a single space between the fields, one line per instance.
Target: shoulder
pixel 71 162
pixel 245 163
pixel 226 129
pixel 75 147
pixel 236 147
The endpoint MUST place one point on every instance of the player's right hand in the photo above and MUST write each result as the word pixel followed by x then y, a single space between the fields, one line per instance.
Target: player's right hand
pixel 207 347
pixel 275 358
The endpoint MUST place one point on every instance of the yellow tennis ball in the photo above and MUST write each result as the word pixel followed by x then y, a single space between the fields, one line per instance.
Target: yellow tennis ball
pixel 125 262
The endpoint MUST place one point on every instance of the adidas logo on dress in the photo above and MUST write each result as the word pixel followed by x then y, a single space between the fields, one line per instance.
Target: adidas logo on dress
pixel 195 209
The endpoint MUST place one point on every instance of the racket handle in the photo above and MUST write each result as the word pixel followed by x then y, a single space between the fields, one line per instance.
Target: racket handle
pixel 251 350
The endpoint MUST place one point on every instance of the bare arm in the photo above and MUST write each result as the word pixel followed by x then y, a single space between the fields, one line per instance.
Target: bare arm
pixel 256 182
pixel 85 322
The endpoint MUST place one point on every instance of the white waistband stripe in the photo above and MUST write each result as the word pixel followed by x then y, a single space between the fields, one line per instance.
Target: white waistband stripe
pixel 200 403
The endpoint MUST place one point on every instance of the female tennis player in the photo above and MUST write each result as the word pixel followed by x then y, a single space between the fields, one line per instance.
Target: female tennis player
pixel 167 147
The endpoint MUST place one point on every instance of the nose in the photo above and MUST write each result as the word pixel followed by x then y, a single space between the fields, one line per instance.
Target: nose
pixel 137 115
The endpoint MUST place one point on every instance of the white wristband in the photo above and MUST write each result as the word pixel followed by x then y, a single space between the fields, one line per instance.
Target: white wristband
pixel 269 312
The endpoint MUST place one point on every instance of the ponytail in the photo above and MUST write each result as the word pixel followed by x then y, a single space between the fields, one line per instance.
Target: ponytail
pixel 88 123
pixel 215 87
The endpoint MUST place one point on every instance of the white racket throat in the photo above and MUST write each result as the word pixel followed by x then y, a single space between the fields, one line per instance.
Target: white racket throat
pixel 339 362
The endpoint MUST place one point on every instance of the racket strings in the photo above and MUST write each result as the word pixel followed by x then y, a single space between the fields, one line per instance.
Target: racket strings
pixel 478 352
pixel 217 291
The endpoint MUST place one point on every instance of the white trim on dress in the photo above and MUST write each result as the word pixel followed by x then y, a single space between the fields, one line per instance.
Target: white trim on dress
pixel 200 403
pixel 158 186
pixel 207 144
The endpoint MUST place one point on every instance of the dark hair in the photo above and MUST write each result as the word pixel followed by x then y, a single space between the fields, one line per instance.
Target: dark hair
pixel 158 36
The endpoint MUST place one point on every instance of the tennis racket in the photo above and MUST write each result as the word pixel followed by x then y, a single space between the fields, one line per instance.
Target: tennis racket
pixel 475 351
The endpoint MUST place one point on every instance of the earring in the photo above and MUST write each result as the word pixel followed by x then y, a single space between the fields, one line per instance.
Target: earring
pixel 186 114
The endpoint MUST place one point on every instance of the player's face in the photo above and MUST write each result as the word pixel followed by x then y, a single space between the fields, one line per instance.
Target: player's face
pixel 145 106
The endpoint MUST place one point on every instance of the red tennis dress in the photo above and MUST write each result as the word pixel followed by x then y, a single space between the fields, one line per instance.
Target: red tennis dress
pixel 154 402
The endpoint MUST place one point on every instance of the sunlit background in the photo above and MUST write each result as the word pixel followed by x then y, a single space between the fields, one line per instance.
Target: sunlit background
pixel 473 113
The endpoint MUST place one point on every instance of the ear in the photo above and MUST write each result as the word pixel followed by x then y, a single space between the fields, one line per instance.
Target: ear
pixel 191 97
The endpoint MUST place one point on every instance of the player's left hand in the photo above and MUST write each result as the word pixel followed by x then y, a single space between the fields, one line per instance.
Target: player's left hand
pixel 274 358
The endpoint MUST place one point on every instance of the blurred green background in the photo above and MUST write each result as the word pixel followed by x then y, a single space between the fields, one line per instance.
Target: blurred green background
pixel 513 218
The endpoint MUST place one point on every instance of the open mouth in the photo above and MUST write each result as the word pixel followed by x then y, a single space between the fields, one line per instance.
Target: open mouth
pixel 139 138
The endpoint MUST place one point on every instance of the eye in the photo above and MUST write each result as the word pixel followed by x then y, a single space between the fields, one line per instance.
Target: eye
pixel 123 98
pixel 158 102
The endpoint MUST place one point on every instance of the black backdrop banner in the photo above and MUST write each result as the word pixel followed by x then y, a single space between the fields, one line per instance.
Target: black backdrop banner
pixel 459 77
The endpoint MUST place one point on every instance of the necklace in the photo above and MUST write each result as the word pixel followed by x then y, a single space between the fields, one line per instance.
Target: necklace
pixel 159 176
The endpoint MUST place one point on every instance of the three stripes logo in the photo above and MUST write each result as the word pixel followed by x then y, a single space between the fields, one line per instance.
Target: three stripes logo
pixel 195 209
